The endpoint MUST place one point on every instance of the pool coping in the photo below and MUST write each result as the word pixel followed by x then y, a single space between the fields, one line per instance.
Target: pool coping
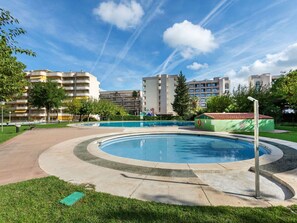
pixel 92 148
pixel 61 161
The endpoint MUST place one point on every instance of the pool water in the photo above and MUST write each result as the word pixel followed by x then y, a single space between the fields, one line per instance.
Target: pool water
pixel 141 124
pixel 181 148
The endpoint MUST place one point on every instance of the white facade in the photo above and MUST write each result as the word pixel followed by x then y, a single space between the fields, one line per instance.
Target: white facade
pixel 208 88
pixel 80 85
pixel 265 80
pixel 158 93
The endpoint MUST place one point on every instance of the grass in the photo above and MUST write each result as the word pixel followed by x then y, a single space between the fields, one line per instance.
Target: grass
pixel 289 136
pixel 38 201
pixel 52 125
pixel 10 132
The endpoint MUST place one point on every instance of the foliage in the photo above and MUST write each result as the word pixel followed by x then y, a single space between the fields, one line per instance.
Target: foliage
pixel 124 118
pixel 181 101
pixel 43 195
pixel 219 103
pixel 12 76
pixel 73 106
pixel 262 94
pixel 47 95
pixel 8 33
pixel 87 107
pixel 135 96
pixel 106 109
pixel 286 88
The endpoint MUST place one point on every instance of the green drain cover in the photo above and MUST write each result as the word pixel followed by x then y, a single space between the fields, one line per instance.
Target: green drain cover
pixel 72 198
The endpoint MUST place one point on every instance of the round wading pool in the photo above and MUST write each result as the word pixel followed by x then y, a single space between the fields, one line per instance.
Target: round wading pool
pixel 181 148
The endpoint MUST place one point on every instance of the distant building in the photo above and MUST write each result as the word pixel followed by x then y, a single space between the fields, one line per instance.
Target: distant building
pixel 265 79
pixel 125 99
pixel 208 88
pixel 81 85
pixel 158 93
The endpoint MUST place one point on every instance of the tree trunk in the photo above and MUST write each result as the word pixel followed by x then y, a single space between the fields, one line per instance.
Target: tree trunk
pixel 48 118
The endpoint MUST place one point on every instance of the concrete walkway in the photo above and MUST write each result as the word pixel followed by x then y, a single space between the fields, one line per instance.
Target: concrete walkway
pixel 19 156
pixel 53 150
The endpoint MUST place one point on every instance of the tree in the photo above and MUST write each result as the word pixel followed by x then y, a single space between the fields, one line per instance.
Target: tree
pixel 87 108
pixel 286 88
pixel 47 95
pixel 261 93
pixel 181 99
pixel 135 96
pixel 12 77
pixel 219 103
pixel 73 106
pixel 106 108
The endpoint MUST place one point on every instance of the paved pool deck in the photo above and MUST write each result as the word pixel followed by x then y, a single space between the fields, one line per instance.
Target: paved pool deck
pixel 42 152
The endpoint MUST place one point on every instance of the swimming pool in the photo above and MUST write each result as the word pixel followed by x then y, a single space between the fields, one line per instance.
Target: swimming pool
pixel 181 148
pixel 140 123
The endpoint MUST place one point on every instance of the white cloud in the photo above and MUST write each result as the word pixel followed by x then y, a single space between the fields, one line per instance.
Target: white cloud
pixel 285 60
pixel 124 15
pixel 273 63
pixel 189 39
pixel 197 66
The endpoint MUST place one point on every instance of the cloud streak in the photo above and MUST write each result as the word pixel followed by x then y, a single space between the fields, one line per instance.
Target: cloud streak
pixel 122 54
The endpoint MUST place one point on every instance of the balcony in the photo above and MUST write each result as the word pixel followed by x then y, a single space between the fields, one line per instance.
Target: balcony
pixel 82 94
pixel 54 74
pixel 68 81
pixel 21 107
pixel 57 81
pixel 82 74
pixel 20 115
pixel 82 81
pixel 83 88
pixel 21 101
pixel 68 88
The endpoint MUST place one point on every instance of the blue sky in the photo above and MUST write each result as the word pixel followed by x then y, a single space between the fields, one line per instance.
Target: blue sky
pixel 122 41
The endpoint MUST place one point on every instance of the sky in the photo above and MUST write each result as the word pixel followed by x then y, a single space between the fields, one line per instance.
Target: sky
pixel 122 41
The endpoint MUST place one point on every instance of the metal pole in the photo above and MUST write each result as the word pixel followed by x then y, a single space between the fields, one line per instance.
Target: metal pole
pixel 10 117
pixel 256 147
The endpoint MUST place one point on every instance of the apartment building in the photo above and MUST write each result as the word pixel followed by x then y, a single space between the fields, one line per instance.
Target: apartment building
pixel 81 85
pixel 208 88
pixel 158 93
pixel 265 79
pixel 124 98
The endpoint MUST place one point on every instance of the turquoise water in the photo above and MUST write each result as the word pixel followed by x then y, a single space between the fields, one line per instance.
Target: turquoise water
pixel 181 148
pixel 141 124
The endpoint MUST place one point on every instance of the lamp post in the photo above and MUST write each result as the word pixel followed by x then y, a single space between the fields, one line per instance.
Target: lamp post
pixel 9 116
pixel 2 103
pixel 256 145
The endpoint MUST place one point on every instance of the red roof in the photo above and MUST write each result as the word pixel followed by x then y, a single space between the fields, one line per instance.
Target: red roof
pixel 231 116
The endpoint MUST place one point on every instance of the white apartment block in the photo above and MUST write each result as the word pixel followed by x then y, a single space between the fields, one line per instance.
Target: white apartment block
pixel 208 88
pixel 80 85
pixel 158 93
pixel 265 79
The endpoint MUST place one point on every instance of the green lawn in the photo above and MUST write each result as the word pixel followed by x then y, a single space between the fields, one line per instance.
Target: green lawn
pixel 52 125
pixel 289 136
pixel 10 132
pixel 38 201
